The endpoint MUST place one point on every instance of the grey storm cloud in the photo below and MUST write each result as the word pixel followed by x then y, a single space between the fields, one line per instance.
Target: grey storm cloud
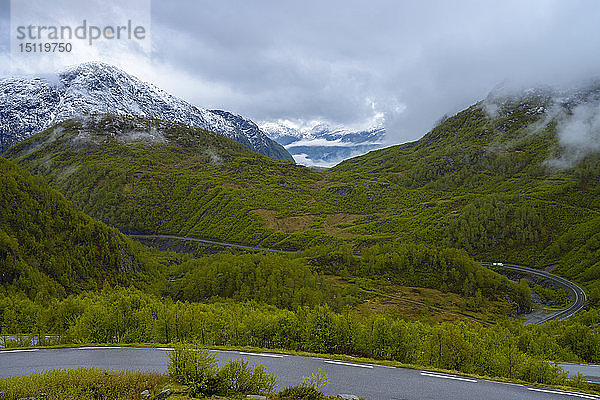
pixel 346 61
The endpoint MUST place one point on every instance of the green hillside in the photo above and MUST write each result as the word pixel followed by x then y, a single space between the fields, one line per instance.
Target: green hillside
pixel 49 249
pixel 170 178
pixel 478 181
pixel 495 190
pixel 146 175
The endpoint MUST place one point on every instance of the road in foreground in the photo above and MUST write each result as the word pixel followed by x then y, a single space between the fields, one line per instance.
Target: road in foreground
pixel 371 381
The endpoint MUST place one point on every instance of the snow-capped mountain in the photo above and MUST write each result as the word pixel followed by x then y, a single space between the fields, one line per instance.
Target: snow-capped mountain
pixel 321 145
pixel 33 103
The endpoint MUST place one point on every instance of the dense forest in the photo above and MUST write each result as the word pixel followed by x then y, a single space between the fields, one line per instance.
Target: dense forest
pixel 291 281
pixel 49 249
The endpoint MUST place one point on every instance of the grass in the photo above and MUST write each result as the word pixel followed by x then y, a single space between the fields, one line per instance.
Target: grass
pixel 418 302
pixel 81 384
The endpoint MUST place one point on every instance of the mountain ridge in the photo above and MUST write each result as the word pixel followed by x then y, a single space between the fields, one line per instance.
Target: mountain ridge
pixel 477 181
pixel 32 104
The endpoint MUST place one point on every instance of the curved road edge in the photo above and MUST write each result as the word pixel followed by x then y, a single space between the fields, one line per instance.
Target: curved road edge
pixel 578 293
pixel 209 242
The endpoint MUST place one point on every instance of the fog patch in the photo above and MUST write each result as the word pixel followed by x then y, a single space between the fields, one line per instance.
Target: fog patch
pixel 575 113
pixel 213 156
pixel 578 133
pixel 152 136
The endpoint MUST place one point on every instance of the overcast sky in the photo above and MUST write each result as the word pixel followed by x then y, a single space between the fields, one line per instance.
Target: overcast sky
pixel 347 62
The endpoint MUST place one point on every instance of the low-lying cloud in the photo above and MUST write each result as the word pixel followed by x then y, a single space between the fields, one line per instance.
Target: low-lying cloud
pixel 320 142
pixel 574 111
pixel 578 133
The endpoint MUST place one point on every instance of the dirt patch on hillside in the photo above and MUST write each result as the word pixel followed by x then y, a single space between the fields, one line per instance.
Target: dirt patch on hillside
pixel 285 224
pixel 336 223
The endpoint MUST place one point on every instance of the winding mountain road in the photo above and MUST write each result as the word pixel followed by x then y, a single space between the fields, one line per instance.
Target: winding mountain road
pixel 210 242
pixel 578 293
pixel 371 381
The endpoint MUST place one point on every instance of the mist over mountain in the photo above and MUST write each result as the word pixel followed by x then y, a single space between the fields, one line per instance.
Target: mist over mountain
pixel 574 111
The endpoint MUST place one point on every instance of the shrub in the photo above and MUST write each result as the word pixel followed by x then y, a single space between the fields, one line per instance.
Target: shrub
pixel 319 380
pixel 310 389
pixel 80 384
pixel 195 367
pixel 239 377
pixel 299 392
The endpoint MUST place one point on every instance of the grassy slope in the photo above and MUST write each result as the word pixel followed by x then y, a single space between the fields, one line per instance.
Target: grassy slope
pixel 493 191
pixel 187 182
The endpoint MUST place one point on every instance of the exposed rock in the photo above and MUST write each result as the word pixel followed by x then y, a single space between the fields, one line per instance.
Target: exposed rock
pixel 163 395
pixel 341 190
pixel 145 393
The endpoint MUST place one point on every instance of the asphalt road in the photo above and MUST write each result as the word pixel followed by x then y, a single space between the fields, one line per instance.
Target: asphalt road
pixel 367 380
pixel 577 292
pixel 590 372
pixel 210 242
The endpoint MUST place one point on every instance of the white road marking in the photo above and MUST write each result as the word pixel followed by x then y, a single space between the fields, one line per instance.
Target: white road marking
pixel 102 348
pixel 383 366
pixel 163 348
pixel 348 364
pixel 503 383
pixel 17 351
pixel 582 395
pixel 262 355
pixel 448 377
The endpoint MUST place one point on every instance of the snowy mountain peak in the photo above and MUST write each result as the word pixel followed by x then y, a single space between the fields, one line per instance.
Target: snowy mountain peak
pixel 317 143
pixel 30 104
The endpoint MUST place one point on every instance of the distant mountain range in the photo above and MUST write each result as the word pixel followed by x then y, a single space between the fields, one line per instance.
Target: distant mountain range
pixel 31 104
pixel 322 145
